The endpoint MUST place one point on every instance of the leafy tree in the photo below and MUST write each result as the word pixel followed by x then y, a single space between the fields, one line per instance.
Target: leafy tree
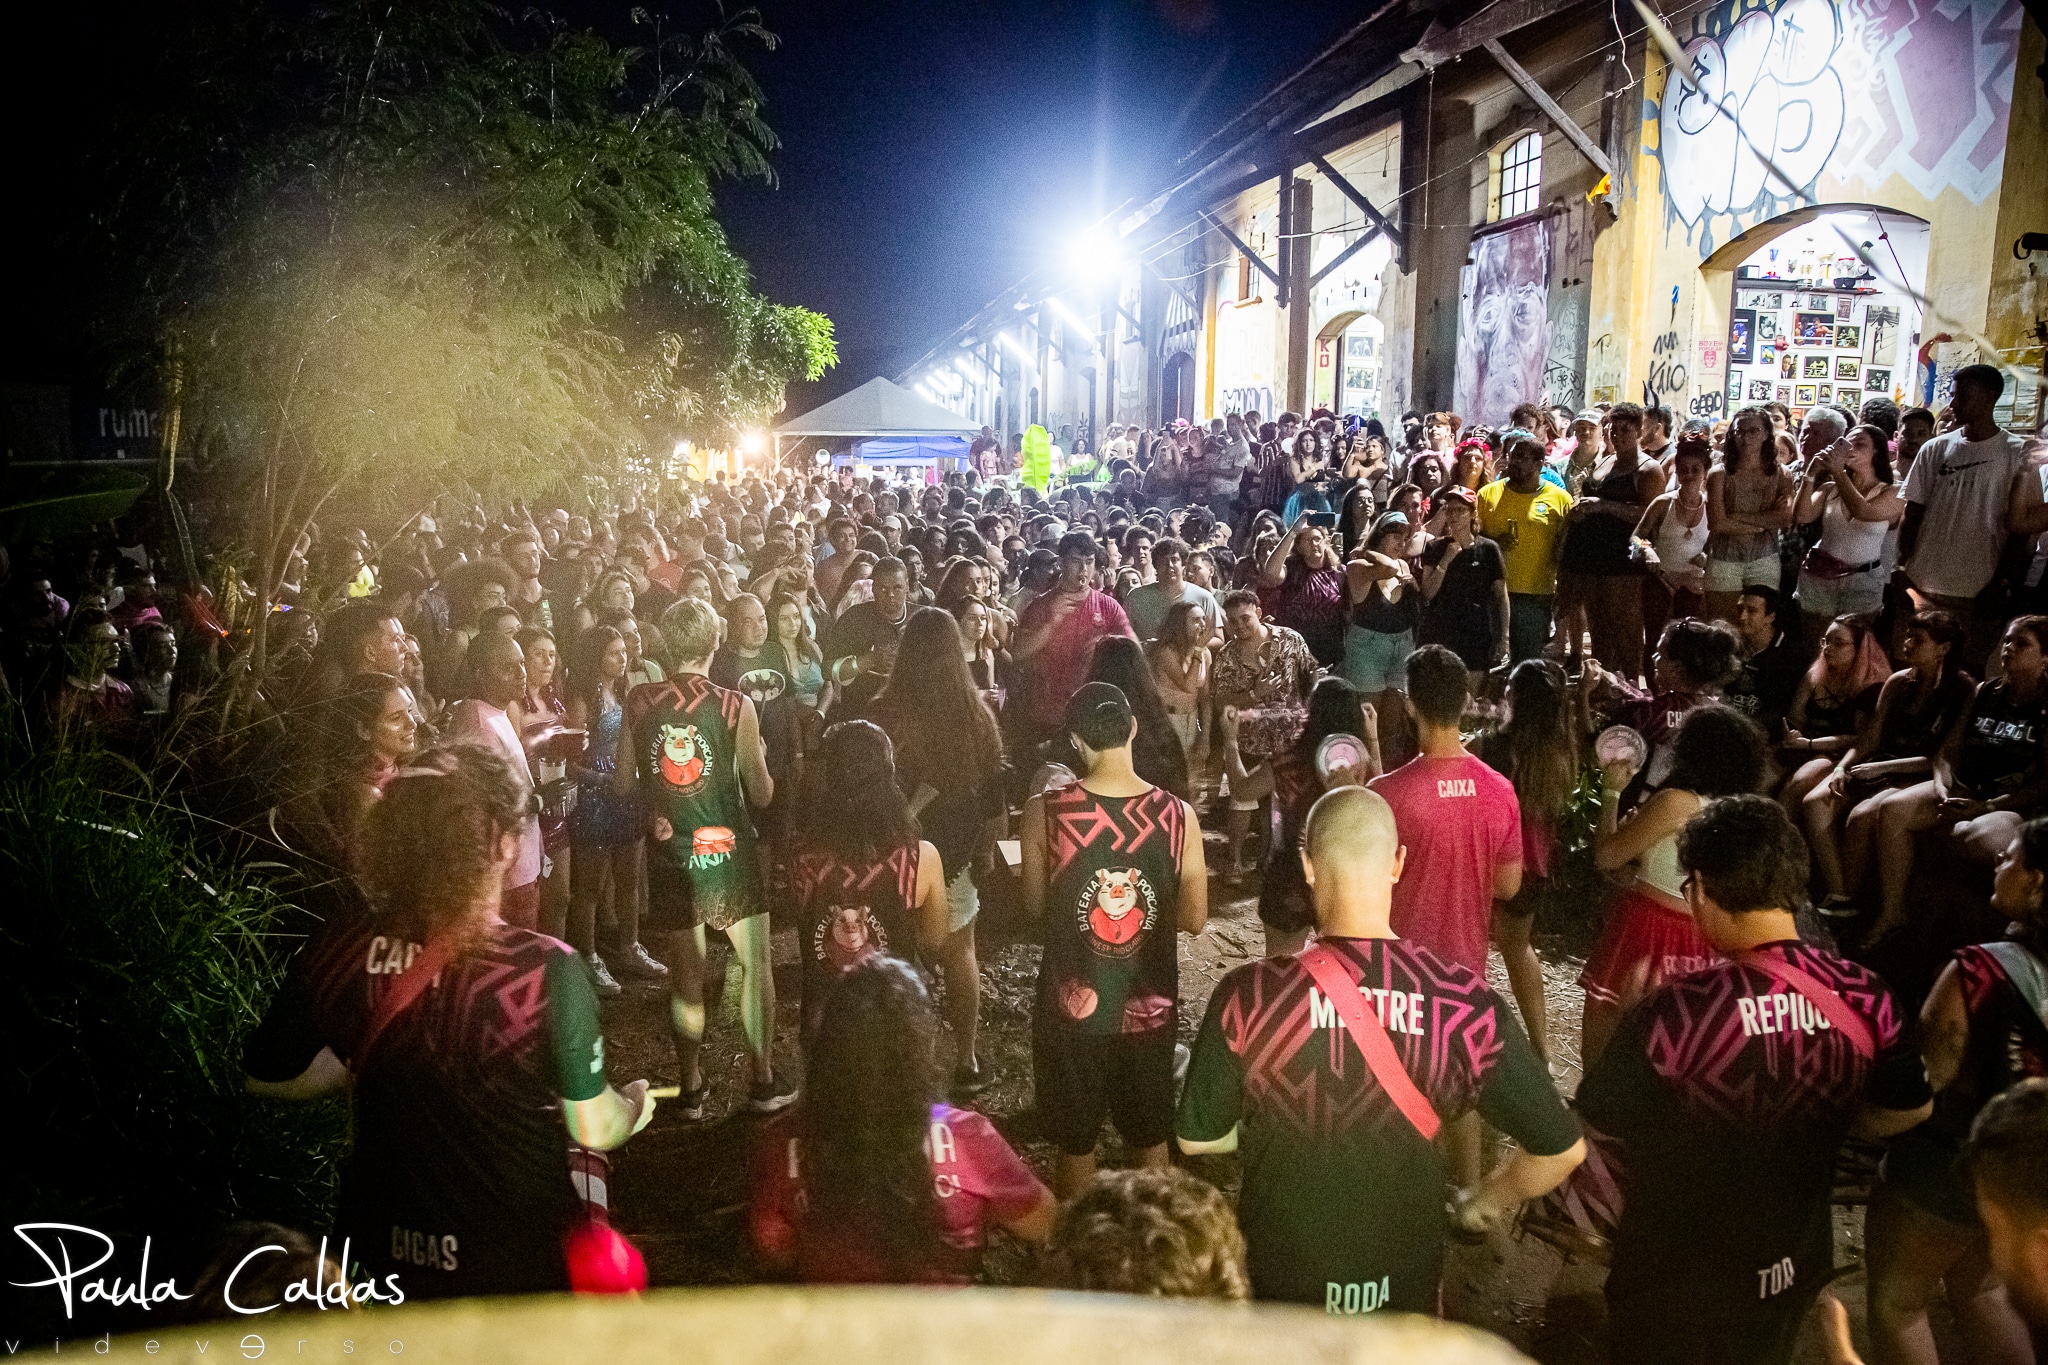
pixel 385 248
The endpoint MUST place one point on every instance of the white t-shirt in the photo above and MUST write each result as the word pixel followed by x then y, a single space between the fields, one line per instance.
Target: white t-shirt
pixel 1148 603
pixel 1963 485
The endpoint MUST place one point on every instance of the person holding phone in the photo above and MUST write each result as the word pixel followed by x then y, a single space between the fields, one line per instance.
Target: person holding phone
pixel 1465 588
pixel 1301 586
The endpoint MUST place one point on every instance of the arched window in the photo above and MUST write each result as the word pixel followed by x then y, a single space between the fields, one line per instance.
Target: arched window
pixel 1521 177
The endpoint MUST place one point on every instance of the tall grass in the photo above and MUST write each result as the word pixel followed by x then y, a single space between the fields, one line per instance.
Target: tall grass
pixel 140 942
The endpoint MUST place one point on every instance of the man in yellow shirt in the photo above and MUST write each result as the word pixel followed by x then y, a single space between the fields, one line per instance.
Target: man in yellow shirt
pixel 1524 514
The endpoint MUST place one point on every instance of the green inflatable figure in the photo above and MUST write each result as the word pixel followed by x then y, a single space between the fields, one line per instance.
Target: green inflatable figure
pixel 1035 464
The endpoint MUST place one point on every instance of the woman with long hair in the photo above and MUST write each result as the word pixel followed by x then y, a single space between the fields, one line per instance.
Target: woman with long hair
pixel 870 1179
pixel 1180 666
pixel 866 883
pixel 360 737
pixel 856 584
pixel 1981 1032
pixel 1650 935
pixel 977 647
pixel 1749 500
pixel 541 715
pixel 1990 773
pixel 1693 661
pixel 471 1044
pixel 1386 610
pixel 789 628
pixel 1536 746
pixel 1292 778
pixel 1674 527
pixel 1848 489
pixel 1355 518
pixel 949 764
pixel 607 832
pixel 1156 751
pixel 1916 708
pixel 1835 700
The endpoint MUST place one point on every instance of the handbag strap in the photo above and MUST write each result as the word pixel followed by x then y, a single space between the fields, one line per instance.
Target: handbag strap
pixel 2024 971
pixel 1832 1007
pixel 412 983
pixel 1371 1036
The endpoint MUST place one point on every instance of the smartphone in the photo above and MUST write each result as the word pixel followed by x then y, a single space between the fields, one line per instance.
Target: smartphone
pixel 1326 520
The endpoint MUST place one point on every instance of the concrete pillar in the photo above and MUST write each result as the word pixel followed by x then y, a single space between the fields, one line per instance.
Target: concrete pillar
pixel 1300 364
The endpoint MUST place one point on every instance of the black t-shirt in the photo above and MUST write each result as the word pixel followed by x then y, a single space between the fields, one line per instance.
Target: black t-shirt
pixel 1461 614
pixel 765 678
pixel 458 1180
pixel 1764 689
pixel 1112 907
pixel 862 627
pixel 1343 1200
pixel 2001 740
pixel 1727 1096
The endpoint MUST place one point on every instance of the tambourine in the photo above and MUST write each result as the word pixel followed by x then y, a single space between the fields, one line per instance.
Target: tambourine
pixel 1621 744
pixel 1339 752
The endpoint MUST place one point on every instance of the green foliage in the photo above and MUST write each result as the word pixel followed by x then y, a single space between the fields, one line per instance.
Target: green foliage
pixel 141 947
pixel 392 248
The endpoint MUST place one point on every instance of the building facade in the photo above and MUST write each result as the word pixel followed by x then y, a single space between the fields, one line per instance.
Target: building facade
pixel 1530 205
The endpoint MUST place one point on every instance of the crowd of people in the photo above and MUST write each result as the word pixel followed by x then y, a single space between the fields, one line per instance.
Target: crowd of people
pixel 1789 679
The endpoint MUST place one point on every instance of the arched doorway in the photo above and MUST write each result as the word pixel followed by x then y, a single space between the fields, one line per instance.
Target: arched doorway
pixel 1808 322
pixel 1349 360
pixel 1177 387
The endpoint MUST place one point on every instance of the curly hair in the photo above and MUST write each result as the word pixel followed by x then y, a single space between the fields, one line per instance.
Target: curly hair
pixel 1160 1232
pixel 430 845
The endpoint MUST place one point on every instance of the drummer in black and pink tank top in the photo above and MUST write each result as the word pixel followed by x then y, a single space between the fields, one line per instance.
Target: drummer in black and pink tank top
pixel 1113 866
pixel 865 883
pixel 1725 1096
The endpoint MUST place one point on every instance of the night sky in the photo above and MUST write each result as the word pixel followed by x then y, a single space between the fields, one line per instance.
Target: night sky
pixel 934 152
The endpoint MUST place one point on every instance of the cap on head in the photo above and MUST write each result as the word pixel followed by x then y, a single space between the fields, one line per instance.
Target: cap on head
pixel 1099 715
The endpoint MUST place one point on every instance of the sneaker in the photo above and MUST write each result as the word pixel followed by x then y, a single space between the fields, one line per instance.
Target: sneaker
pixel 636 962
pixel 690 1104
pixel 770 1096
pixel 607 986
pixel 970 1080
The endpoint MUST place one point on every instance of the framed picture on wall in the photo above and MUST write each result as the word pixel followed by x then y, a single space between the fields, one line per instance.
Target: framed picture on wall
pixel 1766 326
pixel 1826 301
pixel 1784 393
pixel 1741 336
pixel 1759 390
pixel 1813 329
pixel 1788 366
pixel 1803 396
pixel 1774 301
pixel 1848 337
pixel 1845 308
pixel 1852 399
pixel 1883 325
pixel 1847 367
pixel 1827 392
pixel 1815 367
pixel 1878 381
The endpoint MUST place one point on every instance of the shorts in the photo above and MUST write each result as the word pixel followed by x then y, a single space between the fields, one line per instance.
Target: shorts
pixel 1375 661
pixel 1857 594
pixel 1187 727
pixel 1078 1079
pixel 963 901
pixel 1640 930
pixel 1733 575
pixel 675 903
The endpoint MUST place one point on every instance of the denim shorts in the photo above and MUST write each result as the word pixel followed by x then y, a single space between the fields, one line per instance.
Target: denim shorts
pixel 1375 661
pixel 1858 594
pixel 1733 575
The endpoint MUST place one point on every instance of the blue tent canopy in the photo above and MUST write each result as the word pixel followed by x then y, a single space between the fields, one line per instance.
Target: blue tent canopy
pixel 905 450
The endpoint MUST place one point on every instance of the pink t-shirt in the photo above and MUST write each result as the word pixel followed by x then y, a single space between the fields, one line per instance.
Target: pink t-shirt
pixel 1459 820
pixel 1062 666
pixel 489 724
pixel 978 1179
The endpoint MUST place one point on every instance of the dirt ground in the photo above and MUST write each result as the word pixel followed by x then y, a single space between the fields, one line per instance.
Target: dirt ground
pixel 679 1189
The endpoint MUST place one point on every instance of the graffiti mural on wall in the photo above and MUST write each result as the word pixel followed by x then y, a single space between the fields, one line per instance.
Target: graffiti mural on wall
pixel 1861 90
pixel 1571 299
pixel 1503 322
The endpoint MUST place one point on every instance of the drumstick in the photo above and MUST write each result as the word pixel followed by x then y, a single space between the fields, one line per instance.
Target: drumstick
pixel 664 1092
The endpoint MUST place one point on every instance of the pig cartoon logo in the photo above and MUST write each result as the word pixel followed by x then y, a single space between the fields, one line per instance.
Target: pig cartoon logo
pixel 847 934
pixel 1116 907
pixel 681 759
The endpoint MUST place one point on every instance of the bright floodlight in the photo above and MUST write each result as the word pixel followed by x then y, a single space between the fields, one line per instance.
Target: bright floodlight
pixel 1004 339
pixel 1095 254
pixel 753 441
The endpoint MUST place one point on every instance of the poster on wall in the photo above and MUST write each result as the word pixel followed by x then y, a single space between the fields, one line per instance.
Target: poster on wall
pixel 1814 367
pixel 1759 390
pixel 1813 329
pixel 1503 322
pixel 1847 367
pixel 1878 381
pixel 1741 336
pixel 1767 326
pixel 1852 399
pixel 1803 395
pixel 1882 322
pixel 1848 337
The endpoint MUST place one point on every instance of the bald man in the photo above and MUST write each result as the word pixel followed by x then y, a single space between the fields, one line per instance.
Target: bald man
pixel 1344 1188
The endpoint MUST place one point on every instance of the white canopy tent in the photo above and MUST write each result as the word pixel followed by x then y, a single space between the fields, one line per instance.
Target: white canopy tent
pixel 880 411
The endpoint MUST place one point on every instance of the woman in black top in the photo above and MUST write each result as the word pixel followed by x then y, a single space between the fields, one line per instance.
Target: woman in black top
pixel 1981 1033
pixel 1835 698
pixel 1915 709
pixel 1465 589
pixel 1990 774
